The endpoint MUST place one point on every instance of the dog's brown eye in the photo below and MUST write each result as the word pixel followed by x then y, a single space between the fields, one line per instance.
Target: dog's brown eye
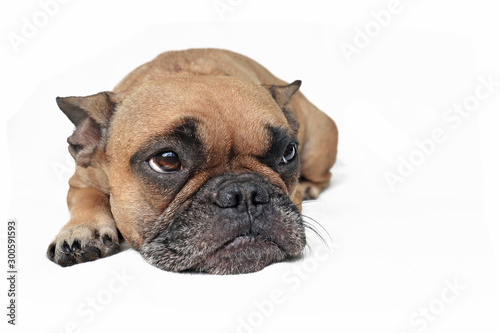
pixel 165 162
pixel 290 153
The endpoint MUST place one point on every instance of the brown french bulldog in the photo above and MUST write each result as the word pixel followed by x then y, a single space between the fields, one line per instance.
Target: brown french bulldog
pixel 200 160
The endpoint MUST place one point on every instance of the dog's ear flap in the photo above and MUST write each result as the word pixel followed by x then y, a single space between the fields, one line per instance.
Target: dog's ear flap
pixel 99 107
pixel 91 116
pixel 282 96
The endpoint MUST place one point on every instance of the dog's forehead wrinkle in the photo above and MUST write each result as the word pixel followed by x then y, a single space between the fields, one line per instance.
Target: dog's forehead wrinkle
pixel 185 129
pixel 232 115
pixel 233 129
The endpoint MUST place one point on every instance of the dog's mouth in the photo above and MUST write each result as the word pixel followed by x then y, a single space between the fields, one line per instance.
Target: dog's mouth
pixel 240 242
pixel 207 253
pixel 242 254
pixel 244 241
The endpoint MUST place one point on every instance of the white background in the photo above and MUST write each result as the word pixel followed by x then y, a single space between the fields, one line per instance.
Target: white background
pixel 394 253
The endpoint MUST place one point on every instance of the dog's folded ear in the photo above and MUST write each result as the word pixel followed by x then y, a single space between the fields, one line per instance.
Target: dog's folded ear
pixel 282 95
pixel 91 116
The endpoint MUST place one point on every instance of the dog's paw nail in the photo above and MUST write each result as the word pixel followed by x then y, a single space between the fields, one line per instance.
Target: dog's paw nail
pixel 65 247
pixel 107 240
pixel 51 251
pixel 82 244
pixel 76 246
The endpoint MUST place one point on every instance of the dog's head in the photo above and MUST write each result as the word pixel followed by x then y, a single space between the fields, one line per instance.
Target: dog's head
pixel 201 170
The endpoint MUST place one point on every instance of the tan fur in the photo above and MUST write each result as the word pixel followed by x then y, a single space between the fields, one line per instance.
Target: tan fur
pixel 318 133
pixel 160 94
pixel 146 108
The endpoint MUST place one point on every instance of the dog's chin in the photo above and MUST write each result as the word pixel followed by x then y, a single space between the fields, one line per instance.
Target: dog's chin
pixel 240 255
pixel 243 254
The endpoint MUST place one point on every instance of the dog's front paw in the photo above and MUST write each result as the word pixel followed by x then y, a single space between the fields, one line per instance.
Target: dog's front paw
pixel 81 243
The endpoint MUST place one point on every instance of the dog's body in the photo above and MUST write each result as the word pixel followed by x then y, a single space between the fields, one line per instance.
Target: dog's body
pixel 194 160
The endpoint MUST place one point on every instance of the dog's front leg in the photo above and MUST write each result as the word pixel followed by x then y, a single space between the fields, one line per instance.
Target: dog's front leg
pixel 91 232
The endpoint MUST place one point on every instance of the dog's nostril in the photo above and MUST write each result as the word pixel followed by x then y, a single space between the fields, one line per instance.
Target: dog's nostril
pixel 227 198
pixel 260 196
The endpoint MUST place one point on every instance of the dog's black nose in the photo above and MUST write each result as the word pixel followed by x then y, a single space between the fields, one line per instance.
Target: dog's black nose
pixel 242 195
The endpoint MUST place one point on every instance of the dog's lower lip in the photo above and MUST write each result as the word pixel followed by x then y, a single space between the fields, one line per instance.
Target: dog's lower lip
pixel 240 241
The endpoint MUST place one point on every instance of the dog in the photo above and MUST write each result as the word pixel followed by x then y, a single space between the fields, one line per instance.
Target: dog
pixel 200 160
